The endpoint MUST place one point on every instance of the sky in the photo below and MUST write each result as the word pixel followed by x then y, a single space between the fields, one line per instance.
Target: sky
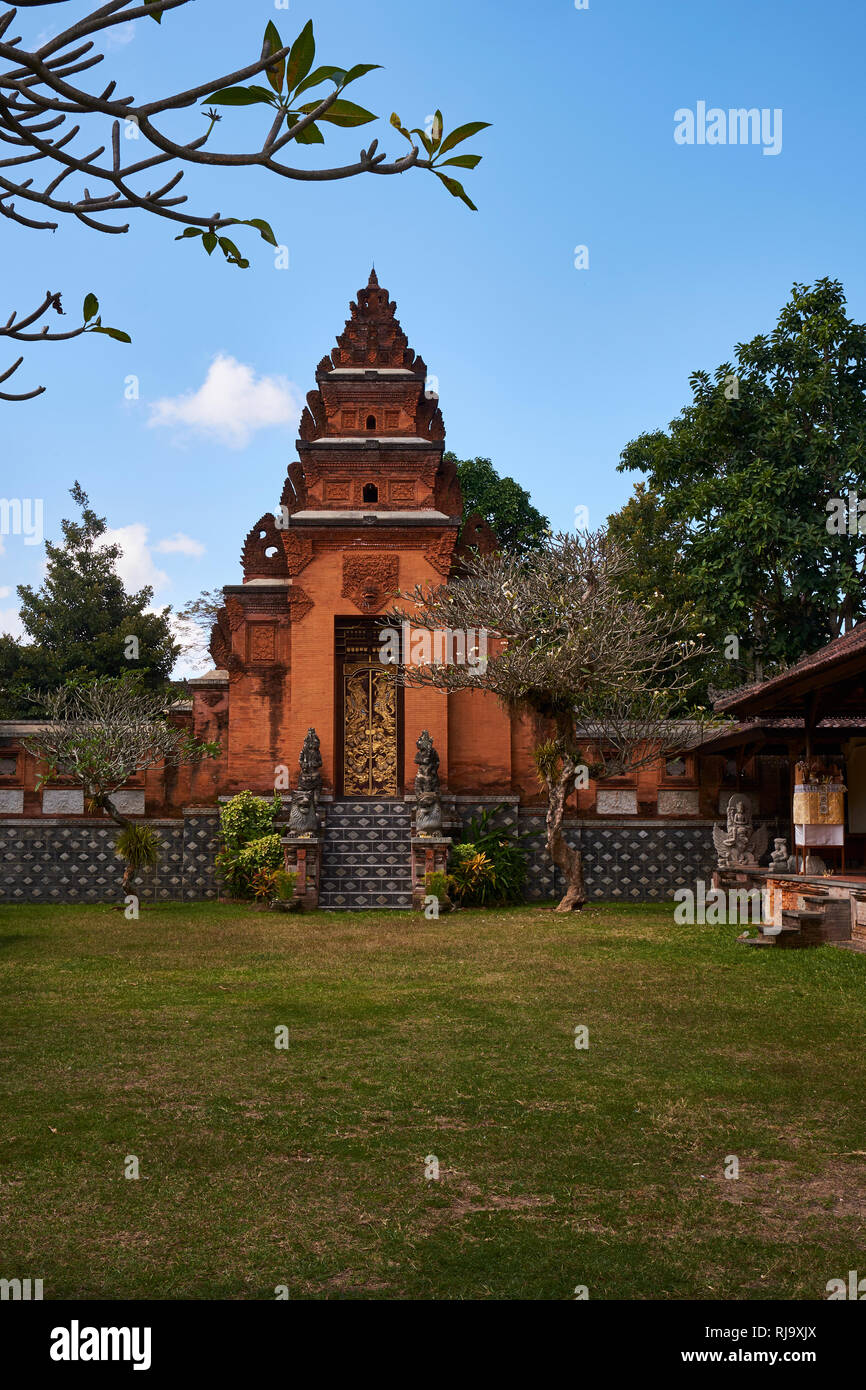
pixel 548 359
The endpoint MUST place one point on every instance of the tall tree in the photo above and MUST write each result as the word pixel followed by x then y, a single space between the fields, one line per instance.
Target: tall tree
pixel 48 120
pixel 600 671
pixel 81 622
pixel 519 526
pixel 744 490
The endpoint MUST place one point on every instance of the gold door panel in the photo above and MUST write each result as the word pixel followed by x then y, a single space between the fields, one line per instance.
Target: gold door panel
pixel 369 730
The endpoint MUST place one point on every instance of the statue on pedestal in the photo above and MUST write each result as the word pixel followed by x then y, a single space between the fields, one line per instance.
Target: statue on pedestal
pixel 303 815
pixel 741 844
pixel 310 760
pixel 428 807
pixel 303 820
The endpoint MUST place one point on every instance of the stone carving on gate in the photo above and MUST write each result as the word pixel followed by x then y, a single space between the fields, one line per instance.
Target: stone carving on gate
pixel 298 550
pixel 370 580
pixel 441 552
pixel 299 603
pixel 263 555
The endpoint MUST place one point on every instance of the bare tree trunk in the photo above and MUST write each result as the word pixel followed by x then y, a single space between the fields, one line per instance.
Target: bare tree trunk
pixel 569 861
pixel 108 806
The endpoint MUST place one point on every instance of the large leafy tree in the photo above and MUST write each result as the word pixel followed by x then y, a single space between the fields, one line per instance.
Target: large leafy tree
pixel 519 526
pixel 601 672
pixel 734 512
pixel 56 164
pixel 79 622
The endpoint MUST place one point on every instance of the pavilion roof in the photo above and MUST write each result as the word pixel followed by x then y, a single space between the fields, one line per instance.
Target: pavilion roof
pixel 834 677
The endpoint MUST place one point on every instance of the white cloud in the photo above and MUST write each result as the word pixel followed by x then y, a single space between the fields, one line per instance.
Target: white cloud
pixel 231 404
pixel 120 35
pixel 5 590
pixel 10 623
pixel 179 544
pixel 136 565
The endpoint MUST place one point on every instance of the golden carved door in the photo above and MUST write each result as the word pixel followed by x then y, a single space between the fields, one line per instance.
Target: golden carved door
pixel 369 729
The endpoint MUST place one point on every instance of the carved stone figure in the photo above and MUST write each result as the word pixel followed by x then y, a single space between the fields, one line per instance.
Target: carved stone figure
pixel 428 807
pixel 303 819
pixel 740 843
pixel 310 761
pixel 779 856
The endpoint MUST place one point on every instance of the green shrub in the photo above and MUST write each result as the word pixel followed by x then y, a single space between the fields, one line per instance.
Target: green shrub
pixel 247 817
pixel 284 883
pixel 138 846
pixel 488 867
pixel 472 879
pixel 247 846
pixel 437 887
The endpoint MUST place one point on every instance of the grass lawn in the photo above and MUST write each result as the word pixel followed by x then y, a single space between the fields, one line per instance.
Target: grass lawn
pixel 306 1167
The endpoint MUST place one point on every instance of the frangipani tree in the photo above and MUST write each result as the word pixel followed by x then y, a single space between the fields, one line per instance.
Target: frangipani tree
pixel 98 736
pixel 605 676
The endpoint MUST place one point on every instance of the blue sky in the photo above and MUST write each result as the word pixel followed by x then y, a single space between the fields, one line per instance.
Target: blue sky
pixel 547 369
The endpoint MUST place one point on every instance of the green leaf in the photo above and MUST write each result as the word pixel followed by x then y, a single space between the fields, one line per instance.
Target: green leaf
pixel 273 43
pixel 344 113
pixel 209 240
pixel 91 307
pixel 359 70
pixel 325 74
pixel 116 333
pixel 241 96
pixel 310 135
pixel 190 231
pixel 463 132
pixel 262 227
pixel 157 17
pixel 232 254
pixel 301 57
pixel 436 130
pixel 425 140
pixel 463 161
pixel 398 125
pixel 455 189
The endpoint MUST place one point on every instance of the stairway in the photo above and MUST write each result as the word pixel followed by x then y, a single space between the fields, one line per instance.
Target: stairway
pixel 821 920
pixel 366 856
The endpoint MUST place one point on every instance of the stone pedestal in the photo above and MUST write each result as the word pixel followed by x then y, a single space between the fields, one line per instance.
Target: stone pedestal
pixel 429 856
pixel 302 855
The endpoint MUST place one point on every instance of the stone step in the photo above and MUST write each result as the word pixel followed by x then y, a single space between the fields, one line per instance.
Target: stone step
pixel 360 902
pixel 366 857
pixel 383 882
pixel 358 836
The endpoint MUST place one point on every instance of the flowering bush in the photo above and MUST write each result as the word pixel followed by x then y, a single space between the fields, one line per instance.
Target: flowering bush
pixel 248 848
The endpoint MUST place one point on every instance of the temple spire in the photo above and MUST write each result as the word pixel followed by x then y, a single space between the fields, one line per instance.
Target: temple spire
pixel 373 282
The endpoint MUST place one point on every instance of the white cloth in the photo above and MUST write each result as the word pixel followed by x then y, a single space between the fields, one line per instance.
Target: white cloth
pixel 809 835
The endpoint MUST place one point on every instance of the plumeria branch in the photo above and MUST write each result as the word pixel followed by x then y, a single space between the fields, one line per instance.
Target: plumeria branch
pixel 50 170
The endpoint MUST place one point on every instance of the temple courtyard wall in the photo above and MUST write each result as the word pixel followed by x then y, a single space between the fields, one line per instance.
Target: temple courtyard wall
pixel 72 860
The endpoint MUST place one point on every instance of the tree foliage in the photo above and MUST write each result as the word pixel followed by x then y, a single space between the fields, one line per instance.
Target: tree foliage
pixel 101 733
pixel 733 516
pixel 80 620
pixel 519 526
pixel 51 170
